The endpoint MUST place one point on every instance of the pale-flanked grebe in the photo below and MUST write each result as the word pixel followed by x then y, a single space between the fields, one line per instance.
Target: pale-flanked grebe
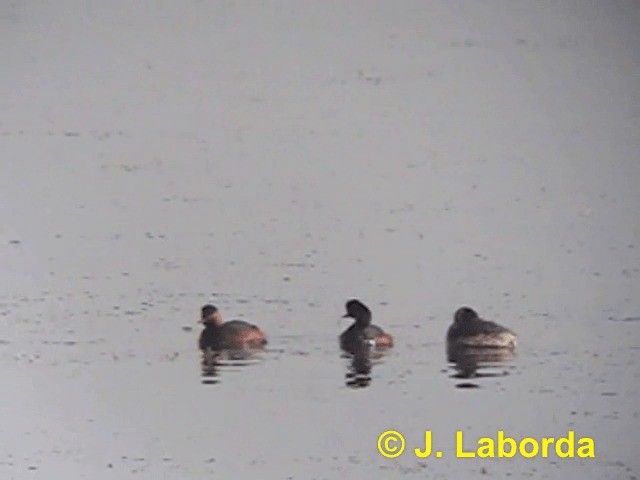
pixel 469 330
pixel 362 333
pixel 235 334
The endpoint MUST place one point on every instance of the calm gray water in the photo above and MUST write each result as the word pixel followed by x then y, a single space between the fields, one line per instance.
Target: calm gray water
pixel 277 160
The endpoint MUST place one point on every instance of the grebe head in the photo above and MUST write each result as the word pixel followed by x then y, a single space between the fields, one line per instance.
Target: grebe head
pixel 358 311
pixel 210 315
pixel 465 314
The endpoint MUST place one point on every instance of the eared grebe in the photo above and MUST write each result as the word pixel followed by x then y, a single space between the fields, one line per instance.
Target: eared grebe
pixel 362 333
pixel 469 330
pixel 235 334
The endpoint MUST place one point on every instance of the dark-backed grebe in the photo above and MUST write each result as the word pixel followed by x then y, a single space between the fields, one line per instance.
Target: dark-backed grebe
pixel 469 330
pixel 362 333
pixel 235 334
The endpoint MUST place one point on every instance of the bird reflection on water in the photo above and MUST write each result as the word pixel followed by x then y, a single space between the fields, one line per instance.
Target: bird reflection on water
pixel 358 370
pixel 477 363
pixel 360 364
pixel 214 362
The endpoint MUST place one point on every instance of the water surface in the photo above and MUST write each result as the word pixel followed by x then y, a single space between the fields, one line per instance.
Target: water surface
pixel 277 160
